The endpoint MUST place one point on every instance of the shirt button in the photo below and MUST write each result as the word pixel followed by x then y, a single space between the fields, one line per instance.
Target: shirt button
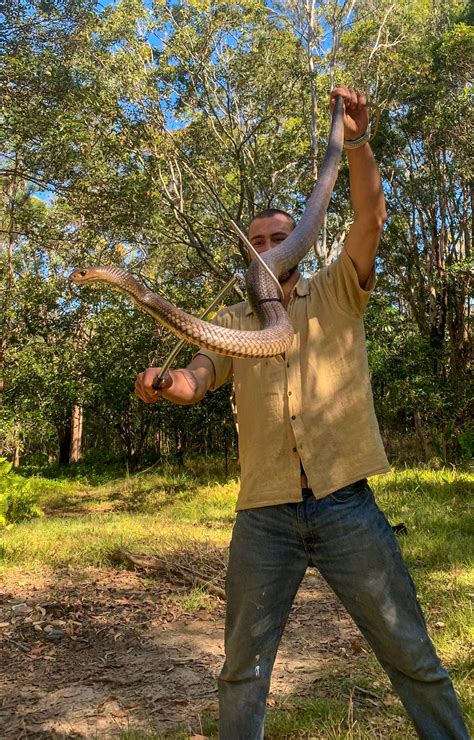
pixel 294 449
pixel 293 417
pixel 289 393
pixel 288 364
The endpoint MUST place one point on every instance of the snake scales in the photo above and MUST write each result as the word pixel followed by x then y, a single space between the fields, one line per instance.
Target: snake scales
pixel 276 333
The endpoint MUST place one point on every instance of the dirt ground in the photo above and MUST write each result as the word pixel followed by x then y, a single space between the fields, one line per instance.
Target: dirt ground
pixel 91 654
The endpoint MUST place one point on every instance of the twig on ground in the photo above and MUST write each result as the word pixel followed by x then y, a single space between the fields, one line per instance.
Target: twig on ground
pixel 153 562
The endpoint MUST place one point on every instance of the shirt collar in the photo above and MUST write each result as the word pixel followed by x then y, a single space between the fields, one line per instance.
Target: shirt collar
pixel 301 288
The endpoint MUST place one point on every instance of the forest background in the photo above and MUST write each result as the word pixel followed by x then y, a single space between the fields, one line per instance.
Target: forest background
pixel 132 133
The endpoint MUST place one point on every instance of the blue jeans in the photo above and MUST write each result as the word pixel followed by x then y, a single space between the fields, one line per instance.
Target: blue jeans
pixel 348 539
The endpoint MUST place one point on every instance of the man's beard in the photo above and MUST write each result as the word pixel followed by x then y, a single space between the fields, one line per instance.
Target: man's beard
pixel 286 275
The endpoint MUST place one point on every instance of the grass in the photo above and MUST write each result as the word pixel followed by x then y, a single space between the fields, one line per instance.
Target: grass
pixel 198 599
pixel 159 511
pixel 168 509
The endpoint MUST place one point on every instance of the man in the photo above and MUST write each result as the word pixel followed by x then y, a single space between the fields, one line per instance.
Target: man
pixel 308 440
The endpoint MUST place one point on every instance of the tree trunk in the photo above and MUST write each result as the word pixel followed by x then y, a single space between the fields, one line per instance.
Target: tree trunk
pixel 421 436
pixel 76 434
pixel 16 445
pixel 7 223
pixel 179 449
pixel 64 433
pixel 233 406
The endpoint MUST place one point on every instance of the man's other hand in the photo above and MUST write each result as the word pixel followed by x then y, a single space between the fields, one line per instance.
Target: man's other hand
pixel 144 385
pixel 183 385
pixel 356 115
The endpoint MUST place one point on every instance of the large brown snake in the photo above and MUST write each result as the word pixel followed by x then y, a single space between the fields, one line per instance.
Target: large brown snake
pixel 276 333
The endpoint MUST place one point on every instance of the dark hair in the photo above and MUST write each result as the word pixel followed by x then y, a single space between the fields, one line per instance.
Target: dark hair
pixel 268 212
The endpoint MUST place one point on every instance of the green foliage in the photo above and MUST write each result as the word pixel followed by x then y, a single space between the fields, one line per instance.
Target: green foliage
pixel 18 497
pixel 466 443
pixel 4 470
pixel 132 134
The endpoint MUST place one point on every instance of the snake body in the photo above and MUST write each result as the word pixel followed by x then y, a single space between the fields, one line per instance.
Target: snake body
pixel 276 333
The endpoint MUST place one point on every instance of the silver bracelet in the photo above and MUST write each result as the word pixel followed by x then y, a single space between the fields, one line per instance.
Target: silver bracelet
pixel 356 143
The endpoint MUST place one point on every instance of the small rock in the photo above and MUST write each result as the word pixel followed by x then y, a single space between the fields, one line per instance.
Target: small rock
pixel 54 634
pixel 21 609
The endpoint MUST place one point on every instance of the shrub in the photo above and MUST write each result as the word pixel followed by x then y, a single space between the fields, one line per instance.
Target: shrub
pixel 18 500
pixel 466 443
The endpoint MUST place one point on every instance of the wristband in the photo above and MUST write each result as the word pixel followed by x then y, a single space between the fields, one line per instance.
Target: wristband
pixel 356 143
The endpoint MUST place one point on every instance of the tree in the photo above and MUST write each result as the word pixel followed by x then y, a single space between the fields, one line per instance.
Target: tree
pixel 421 66
pixel 132 135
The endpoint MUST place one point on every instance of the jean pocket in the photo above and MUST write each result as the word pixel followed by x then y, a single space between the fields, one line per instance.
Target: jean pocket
pixel 342 495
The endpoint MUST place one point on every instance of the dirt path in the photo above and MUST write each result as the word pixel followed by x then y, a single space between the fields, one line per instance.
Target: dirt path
pixel 88 654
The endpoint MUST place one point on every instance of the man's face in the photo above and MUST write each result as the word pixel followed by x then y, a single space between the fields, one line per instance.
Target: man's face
pixel 266 233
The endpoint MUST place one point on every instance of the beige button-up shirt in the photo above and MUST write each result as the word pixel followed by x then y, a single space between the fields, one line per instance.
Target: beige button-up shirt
pixel 313 404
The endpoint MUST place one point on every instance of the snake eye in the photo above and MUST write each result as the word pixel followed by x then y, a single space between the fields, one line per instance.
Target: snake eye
pixel 83 273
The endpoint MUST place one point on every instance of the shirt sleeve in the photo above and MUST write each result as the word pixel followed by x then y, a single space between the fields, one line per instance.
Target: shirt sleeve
pixel 223 366
pixel 342 284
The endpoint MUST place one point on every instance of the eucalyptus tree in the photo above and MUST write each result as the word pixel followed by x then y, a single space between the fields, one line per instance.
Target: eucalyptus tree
pixel 231 82
pixel 76 88
pixel 418 66
pixel 82 140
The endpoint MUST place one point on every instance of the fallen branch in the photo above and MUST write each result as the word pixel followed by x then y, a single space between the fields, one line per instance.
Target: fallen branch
pixel 154 562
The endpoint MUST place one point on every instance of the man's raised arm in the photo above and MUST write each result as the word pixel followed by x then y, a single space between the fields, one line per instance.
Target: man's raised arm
pixel 185 386
pixel 366 187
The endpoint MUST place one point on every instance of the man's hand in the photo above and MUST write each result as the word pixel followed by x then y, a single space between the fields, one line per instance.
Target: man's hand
pixel 356 116
pixel 186 385
pixel 144 385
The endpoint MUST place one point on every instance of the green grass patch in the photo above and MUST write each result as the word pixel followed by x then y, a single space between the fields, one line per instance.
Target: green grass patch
pixel 299 717
pixel 292 717
pixel 437 509
pixel 196 600
pixel 87 541
pixel 153 513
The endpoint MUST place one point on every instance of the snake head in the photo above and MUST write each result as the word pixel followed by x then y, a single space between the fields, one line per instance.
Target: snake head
pixel 81 276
